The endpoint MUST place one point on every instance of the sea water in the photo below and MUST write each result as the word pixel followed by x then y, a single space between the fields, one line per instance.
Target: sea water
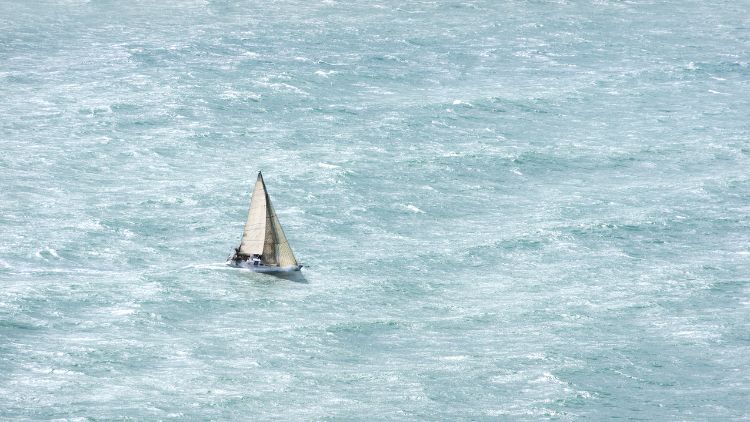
pixel 508 210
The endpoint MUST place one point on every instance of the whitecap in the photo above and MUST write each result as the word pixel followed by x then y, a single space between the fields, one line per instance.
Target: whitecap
pixel 412 208
pixel 324 74
pixel 453 358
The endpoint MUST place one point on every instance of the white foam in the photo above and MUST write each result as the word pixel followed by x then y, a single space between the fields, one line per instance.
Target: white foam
pixel 453 358
pixel 412 208
pixel 324 74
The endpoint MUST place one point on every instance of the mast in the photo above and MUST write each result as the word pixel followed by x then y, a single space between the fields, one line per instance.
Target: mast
pixel 269 244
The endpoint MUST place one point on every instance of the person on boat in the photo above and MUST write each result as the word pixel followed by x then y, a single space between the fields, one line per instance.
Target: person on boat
pixel 237 256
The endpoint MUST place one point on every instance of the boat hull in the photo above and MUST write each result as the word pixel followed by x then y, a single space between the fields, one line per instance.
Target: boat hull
pixel 263 268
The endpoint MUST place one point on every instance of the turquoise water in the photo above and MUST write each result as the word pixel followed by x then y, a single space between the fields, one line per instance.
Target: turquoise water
pixel 512 210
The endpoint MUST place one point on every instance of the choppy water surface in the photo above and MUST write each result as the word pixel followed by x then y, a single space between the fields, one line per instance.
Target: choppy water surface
pixel 508 210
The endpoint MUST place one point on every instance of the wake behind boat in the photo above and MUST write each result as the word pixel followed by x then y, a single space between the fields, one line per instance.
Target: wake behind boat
pixel 263 247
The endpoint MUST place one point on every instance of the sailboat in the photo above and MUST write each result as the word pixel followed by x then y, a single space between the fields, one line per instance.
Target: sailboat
pixel 263 247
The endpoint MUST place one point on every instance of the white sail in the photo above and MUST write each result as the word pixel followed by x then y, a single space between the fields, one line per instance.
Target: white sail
pixel 263 234
pixel 283 252
pixel 254 235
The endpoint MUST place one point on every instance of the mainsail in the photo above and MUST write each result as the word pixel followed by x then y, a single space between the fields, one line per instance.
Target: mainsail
pixel 263 234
